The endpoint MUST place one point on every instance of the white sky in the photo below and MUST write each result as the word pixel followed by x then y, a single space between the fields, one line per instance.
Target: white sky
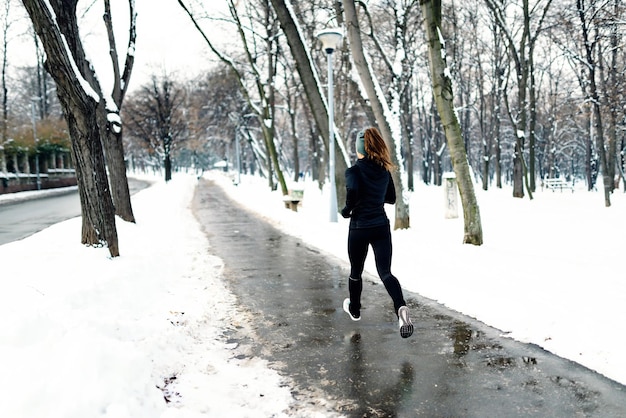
pixel 85 335
pixel 166 40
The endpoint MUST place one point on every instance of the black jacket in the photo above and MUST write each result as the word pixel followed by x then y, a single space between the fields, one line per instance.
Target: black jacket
pixel 369 186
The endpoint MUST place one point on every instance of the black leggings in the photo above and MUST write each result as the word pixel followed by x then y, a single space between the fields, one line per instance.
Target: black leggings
pixel 359 241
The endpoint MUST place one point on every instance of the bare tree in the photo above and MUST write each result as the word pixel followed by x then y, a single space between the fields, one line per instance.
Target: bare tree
pixel 585 14
pixel 114 145
pixel 442 88
pixel 521 52
pixel 84 108
pixel 611 74
pixel 155 115
pixel 261 94
pixel 497 87
pixel 290 99
pixel 218 115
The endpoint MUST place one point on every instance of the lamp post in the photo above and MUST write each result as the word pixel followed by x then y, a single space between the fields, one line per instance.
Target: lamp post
pixel 330 39
pixel 32 108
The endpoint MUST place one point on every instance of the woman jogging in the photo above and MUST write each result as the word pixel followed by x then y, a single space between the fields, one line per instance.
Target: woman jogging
pixel 369 186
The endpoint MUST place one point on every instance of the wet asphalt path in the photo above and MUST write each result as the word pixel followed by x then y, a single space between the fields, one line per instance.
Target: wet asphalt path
pixel 452 366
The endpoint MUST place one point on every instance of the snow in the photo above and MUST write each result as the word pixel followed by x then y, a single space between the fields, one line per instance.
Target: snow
pixel 81 80
pixel 86 335
pixel 116 121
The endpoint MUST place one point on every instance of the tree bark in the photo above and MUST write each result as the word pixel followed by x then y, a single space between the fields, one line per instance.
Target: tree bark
pixel 83 107
pixel 442 87
pixel 113 144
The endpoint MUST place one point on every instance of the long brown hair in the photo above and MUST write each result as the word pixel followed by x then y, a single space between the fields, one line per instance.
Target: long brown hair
pixel 377 149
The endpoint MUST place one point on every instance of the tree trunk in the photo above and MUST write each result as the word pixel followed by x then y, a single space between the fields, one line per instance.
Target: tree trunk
pixel 442 87
pixel 269 108
pixel 612 92
pixel 409 134
pixel 120 191
pixel 380 109
pixel 590 65
pixel 532 122
pixel 293 125
pixel 113 144
pixel 167 163
pixel 82 104
pixel 591 168
pixel 497 95
pixel 523 70
pixel 520 135
pixel 98 212
pixel 438 144
pixel 296 152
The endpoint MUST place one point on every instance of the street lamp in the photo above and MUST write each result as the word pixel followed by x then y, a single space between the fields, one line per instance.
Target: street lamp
pixel 32 108
pixel 330 39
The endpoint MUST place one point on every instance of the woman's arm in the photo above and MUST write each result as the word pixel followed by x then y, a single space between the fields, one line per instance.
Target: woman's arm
pixel 352 191
pixel 390 195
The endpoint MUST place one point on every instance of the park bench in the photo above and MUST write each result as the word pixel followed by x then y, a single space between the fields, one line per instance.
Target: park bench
pixel 558 183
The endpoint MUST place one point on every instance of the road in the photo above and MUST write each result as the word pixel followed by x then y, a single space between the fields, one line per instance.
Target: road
pixel 21 219
pixel 453 366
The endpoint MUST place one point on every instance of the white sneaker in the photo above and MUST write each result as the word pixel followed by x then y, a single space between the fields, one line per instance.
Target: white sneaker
pixel 406 326
pixel 346 307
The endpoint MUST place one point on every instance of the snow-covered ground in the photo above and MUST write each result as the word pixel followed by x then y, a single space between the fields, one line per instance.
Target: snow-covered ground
pixel 85 335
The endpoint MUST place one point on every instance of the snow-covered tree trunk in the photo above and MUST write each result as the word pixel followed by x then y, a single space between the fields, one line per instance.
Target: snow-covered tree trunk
pixel 83 107
pixel 387 118
pixel 113 144
pixel 442 88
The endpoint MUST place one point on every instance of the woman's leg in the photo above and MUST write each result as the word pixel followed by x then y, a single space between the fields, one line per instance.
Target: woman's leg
pixel 382 246
pixel 357 252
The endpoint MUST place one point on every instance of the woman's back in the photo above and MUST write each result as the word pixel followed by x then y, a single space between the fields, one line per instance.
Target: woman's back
pixel 369 187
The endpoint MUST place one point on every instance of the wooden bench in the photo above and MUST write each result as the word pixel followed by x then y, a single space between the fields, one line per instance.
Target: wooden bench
pixel 293 198
pixel 558 183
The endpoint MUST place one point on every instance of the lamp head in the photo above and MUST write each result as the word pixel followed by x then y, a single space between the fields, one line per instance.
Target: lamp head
pixel 330 39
